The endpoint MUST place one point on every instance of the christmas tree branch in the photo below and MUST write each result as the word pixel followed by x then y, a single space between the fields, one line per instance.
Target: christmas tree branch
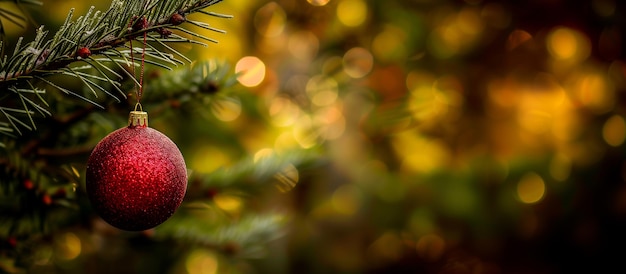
pixel 105 34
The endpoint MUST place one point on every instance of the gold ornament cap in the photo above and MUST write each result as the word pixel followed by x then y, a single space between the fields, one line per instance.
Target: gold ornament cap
pixel 138 118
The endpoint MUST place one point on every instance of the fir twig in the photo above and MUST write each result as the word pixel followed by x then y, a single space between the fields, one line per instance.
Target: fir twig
pixel 95 33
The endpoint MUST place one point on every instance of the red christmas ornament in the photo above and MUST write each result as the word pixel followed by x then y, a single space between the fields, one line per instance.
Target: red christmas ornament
pixel 136 176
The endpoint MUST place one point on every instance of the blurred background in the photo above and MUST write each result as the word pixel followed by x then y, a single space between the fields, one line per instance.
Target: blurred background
pixel 475 136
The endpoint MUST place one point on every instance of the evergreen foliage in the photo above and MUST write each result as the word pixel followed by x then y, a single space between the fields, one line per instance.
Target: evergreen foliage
pixel 47 135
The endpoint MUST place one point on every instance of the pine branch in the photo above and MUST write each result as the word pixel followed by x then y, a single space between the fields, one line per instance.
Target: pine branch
pixel 72 50
pixel 244 237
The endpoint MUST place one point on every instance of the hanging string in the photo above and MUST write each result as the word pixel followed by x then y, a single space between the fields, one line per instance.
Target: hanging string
pixel 143 58
pixel 139 90
pixel 132 58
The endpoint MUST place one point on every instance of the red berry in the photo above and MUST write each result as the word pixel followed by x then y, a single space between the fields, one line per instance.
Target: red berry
pixel 177 19
pixel 46 199
pixel 28 184
pixel 83 52
pixel 12 241
pixel 60 193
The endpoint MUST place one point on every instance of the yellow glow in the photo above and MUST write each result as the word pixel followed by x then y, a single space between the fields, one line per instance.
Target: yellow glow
pixel 445 41
pixel 419 79
pixel 358 62
pixel 389 45
pixel 595 92
pixel 614 130
pixel 330 121
pixel 68 246
pixel 431 99
pixel 305 133
pixel 469 21
pixel 270 19
pixel 431 247
pixel 263 153
pixel 568 44
pixel 322 90
pixel 287 178
pixel 303 45
pixel 534 121
pixel 560 167
pixel 251 70
pixel 433 153
pixel 352 13
pixel 283 112
pixel 228 203
pixel 285 142
pixel 201 262
pixel 531 188
pixel 206 159
pixel 226 109
pixel 346 199
pixel 318 2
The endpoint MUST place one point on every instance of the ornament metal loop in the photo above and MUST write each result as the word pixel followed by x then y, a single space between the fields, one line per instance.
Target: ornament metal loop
pixel 138 118
pixel 140 107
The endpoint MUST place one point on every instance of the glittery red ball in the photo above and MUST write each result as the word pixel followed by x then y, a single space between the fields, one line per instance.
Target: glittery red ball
pixel 136 178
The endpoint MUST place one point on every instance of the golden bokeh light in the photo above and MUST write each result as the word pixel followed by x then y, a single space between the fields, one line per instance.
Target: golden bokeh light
pixel 531 188
pixel 67 246
pixel 568 44
pixel 614 130
pixel 303 45
pixel 287 178
pixel 251 71
pixel 262 153
pixel 229 203
pixel 322 90
pixel 330 122
pixel 283 112
pixel 226 109
pixel 318 3
pixel 390 44
pixel 206 158
pixel 201 261
pixel 433 153
pixel 358 62
pixel 470 21
pixel 269 20
pixel 305 133
pixel 456 33
pixel 352 13
pixel 285 142
pixel 594 91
